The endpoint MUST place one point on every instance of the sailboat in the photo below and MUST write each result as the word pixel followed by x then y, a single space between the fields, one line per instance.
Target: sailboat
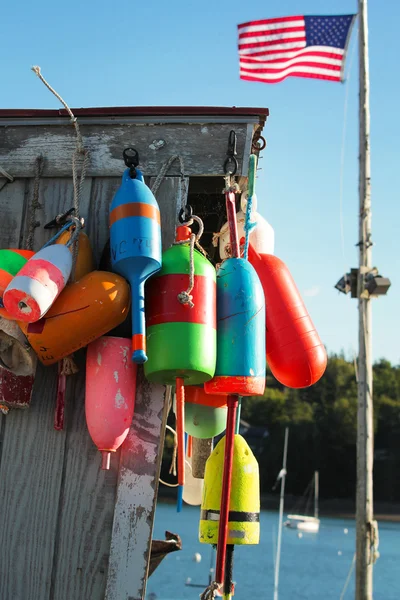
pixel 307 523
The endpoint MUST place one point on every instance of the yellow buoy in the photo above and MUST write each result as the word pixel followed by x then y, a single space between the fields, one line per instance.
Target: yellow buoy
pixel 244 509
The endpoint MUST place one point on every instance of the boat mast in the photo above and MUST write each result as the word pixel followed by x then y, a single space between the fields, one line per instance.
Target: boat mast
pixel 281 502
pixel 316 493
pixel 364 499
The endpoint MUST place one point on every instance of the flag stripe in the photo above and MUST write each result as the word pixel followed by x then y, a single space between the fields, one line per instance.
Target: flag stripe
pixel 302 74
pixel 264 31
pixel 282 73
pixel 276 41
pixel 277 67
pixel 281 68
pixel 285 58
pixel 290 53
pixel 273 48
pixel 270 21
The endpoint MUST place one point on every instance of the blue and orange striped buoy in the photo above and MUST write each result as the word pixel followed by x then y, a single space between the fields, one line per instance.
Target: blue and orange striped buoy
pixel 135 244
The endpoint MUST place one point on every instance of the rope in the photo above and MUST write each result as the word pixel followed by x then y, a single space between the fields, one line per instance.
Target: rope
pixel 248 227
pixel 39 164
pixel 209 592
pixel 163 171
pixel 79 151
pixel 346 584
pixel 185 297
pixel 6 175
pixel 74 120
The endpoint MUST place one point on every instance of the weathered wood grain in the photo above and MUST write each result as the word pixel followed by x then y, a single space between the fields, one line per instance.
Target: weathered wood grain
pixel 86 507
pixel 12 212
pixel 56 196
pixel 203 147
pixel 30 475
pixel 103 190
pixel 141 460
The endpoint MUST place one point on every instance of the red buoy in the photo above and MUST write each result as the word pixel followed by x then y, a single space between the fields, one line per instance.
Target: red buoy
pixel 110 393
pixel 295 353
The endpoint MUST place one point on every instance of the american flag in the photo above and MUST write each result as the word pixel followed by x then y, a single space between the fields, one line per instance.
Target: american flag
pixel 304 46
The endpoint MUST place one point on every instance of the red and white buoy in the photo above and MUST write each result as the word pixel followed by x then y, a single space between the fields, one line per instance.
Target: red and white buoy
pixel 31 293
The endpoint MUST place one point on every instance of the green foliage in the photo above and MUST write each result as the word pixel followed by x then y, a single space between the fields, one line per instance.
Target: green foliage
pixel 322 423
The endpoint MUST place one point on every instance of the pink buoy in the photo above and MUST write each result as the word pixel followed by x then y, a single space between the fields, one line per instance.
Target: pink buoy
pixel 32 292
pixel 110 393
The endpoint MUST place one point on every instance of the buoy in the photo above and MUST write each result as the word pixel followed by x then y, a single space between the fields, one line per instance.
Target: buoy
pixel 135 242
pixel 31 293
pixel 181 340
pixel 345 531
pixel 240 368
pixel 197 557
pixel 181 326
pixel 110 393
pixel 295 353
pixel 244 505
pixel 85 311
pixel 262 235
pixel 85 259
pixel 205 414
pixel 11 261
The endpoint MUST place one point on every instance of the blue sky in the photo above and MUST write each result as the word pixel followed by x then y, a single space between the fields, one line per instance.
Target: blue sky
pixel 180 53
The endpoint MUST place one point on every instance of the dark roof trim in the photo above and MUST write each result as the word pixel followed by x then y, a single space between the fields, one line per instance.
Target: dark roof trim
pixel 127 111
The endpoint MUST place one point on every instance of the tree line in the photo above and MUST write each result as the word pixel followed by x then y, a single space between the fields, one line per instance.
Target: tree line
pixel 322 423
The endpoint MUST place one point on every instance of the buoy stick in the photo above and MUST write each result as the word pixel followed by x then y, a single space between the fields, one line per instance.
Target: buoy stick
pixel 180 428
pixel 179 501
pixel 226 489
pixel 232 223
pixel 228 581
pixel 190 446
pixel 60 399
pixel 139 355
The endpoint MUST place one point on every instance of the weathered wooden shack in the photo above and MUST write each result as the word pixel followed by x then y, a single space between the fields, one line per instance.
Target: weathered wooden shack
pixel 68 530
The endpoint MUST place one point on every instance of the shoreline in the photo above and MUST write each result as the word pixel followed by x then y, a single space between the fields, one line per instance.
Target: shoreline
pixel 328 507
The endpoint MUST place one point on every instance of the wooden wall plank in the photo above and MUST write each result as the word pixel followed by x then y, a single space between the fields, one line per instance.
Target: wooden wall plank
pixel 141 461
pixel 103 190
pixel 12 205
pixel 203 147
pixel 56 196
pixel 86 507
pixel 30 475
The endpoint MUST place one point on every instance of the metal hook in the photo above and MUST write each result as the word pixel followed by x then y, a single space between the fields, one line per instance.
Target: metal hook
pixel 231 163
pixel 60 220
pixel 75 233
pixel 131 160
pixel 185 214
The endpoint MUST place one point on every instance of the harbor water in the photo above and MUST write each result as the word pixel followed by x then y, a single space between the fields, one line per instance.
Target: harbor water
pixel 313 566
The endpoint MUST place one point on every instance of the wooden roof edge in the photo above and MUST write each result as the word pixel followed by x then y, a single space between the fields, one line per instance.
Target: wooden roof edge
pixel 140 111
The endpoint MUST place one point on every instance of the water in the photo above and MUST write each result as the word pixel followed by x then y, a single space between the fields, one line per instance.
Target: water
pixel 314 567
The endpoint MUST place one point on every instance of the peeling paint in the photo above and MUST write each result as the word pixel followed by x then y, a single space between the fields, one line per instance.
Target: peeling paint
pixel 99 359
pixel 120 400
pixel 116 376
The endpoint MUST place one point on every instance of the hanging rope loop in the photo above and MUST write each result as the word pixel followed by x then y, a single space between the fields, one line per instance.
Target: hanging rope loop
pixel 35 205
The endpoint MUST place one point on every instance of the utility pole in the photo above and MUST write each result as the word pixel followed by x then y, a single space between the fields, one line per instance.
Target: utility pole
pixel 365 443
pixel 281 502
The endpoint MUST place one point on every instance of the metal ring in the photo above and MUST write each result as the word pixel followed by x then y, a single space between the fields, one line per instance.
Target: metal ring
pixel 230 160
pixel 261 146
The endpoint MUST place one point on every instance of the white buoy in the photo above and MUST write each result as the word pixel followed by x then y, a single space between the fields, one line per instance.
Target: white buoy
pixel 339 553
pixel 300 535
pixel 197 557
pixel 345 531
pixel 193 488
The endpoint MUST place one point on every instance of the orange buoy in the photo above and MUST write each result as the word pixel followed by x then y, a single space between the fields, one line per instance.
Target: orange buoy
pixel 84 311
pixel 110 393
pixel 85 260
pixel 295 353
